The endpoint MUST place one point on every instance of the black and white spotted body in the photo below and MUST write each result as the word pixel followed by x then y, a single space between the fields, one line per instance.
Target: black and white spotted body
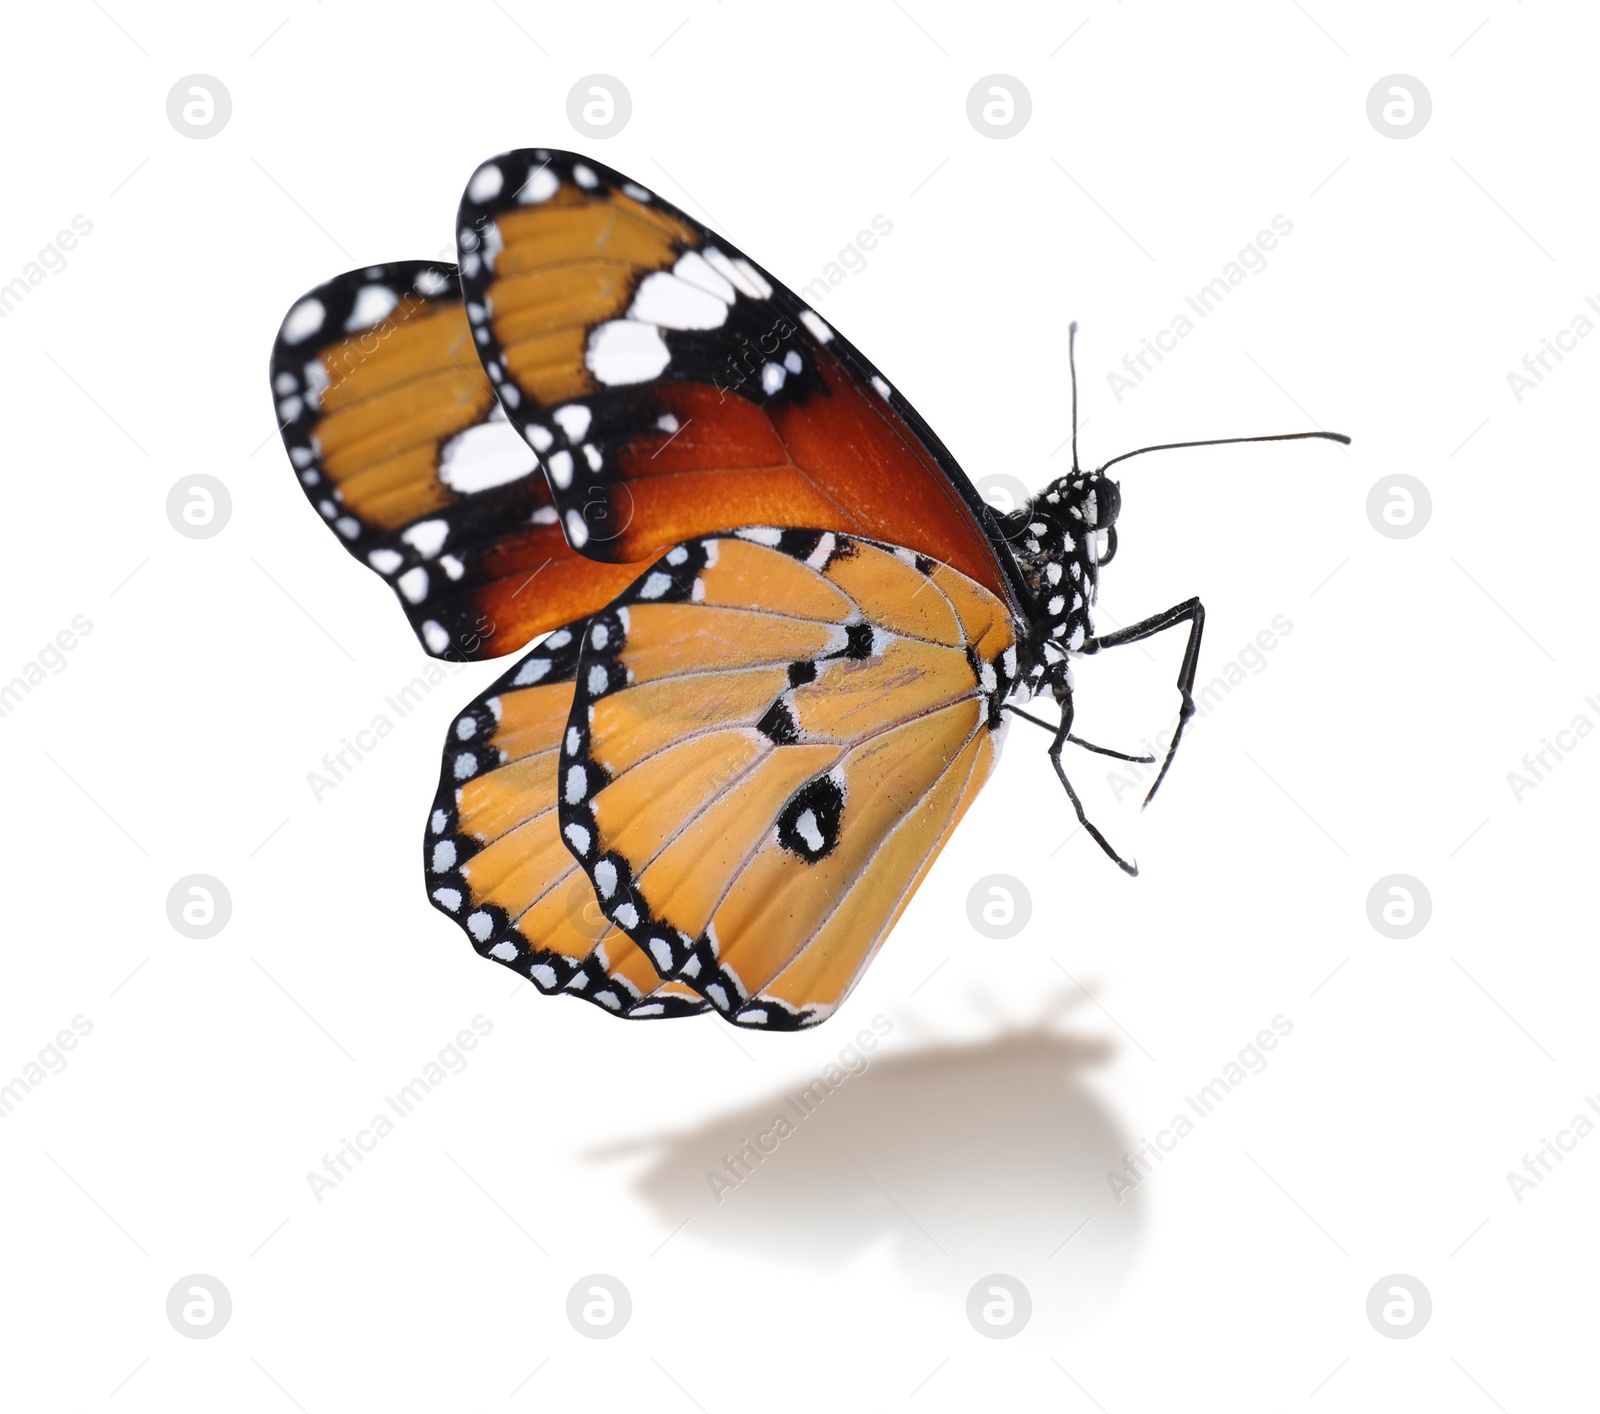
pixel 1060 540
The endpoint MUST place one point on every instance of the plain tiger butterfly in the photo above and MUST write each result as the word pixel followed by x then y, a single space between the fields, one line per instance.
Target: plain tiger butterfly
pixel 779 631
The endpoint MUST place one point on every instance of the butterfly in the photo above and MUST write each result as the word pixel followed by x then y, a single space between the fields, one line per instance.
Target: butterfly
pixel 779 633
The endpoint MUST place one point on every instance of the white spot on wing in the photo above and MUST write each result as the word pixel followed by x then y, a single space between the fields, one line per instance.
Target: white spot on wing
pixel 626 351
pixel 753 278
pixel 486 182
pixel 665 300
pixel 819 331
pixel 540 186
pixel 573 419
pixel 735 274
pixel 694 268
pixel 427 537
pixel 489 454
pixel 302 321
pixel 806 828
pixel 373 302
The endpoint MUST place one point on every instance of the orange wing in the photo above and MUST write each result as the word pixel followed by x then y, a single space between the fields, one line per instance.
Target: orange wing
pixel 774 734
pixel 674 388
pixel 494 860
pixel 403 448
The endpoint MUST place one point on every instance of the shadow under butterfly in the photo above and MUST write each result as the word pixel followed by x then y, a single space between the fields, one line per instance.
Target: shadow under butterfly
pixel 959 1158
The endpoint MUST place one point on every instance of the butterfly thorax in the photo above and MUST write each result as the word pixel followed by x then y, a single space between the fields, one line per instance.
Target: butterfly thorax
pixel 1060 540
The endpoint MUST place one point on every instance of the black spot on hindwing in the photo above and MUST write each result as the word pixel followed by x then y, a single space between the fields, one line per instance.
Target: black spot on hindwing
pixel 778 724
pixel 809 824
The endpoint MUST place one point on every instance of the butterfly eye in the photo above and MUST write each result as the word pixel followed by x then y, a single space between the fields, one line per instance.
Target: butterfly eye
pixel 1104 504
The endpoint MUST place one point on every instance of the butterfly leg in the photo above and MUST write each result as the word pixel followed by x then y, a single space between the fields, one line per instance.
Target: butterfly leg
pixel 1078 740
pixel 1063 736
pixel 1192 612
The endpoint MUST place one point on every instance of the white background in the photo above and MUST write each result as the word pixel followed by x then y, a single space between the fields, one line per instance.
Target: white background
pixel 1376 740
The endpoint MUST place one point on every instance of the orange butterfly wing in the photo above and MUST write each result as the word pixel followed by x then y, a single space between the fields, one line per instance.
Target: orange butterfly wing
pixel 493 856
pixel 773 736
pixel 674 388
pixel 401 445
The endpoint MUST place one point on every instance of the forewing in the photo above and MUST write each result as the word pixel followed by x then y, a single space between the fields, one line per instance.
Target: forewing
pixel 672 387
pixel 399 442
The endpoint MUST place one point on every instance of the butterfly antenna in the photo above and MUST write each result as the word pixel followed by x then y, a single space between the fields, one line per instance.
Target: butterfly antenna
pixel 1072 364
pixel 1213 442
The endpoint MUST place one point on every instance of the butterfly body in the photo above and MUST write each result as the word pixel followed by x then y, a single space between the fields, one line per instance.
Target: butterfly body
pixel 1060 540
